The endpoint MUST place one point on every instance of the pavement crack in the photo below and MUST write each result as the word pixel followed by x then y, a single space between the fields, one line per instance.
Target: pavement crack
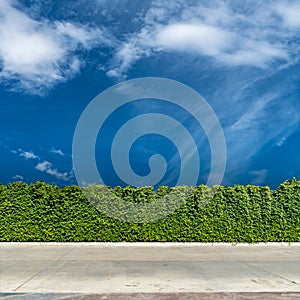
pixel 268 272
pixel 40 272
pixel 33 276
pixel 65 254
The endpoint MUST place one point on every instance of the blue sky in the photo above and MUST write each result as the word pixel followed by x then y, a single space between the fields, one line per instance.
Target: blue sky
pixel 241 56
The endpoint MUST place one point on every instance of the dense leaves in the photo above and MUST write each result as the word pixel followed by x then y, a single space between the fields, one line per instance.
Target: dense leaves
pixel 43 212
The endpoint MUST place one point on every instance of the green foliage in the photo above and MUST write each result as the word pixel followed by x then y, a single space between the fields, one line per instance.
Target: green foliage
pixel 43 212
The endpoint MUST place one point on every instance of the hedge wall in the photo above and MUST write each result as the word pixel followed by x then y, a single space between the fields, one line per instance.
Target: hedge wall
pixel 43 212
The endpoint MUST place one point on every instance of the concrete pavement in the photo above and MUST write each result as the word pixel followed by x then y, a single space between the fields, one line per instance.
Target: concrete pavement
pixel 148 268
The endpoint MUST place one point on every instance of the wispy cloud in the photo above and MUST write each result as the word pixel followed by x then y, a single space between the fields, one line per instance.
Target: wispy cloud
pixel 254 35
pixel 289 11
pixel 36 55
pixel 258 35
pixel 57 151
pixel 27 154
pixel 259 176
pixel 44 165
pixel 18 177
pixel 254 128
pixel 47 167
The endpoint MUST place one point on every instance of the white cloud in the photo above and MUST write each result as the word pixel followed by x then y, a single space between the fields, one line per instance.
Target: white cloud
pixel 28 154
pixel 223 31
pixel 218 14
pixel 253 114
pixel 77 34
pixel 259 176
pixel 216 42
pixel 36 55
pixel 43 166
pixel 112 73
pixel 57 151
pixel 255 53
pixel 18 177
pixel 204 39
pixel 253 128
pixel 281 141
pixel 46 167
pixel 244 46
pixel 128 53
pixel 289 11
pixel 289 130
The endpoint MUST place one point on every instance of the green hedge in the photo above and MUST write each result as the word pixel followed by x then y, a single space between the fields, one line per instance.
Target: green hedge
pixel 43 212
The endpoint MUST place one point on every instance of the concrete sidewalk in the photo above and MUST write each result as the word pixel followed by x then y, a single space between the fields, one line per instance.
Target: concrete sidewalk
pixel 148 268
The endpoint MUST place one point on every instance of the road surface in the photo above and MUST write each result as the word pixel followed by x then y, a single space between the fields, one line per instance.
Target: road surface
pixel 56 270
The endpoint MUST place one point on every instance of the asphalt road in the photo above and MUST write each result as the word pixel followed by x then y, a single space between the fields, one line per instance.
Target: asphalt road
pixel 72 269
